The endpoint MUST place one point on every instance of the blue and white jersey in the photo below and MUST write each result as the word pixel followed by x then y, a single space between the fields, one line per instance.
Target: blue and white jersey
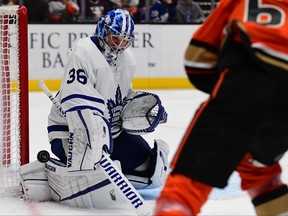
pixel 89 82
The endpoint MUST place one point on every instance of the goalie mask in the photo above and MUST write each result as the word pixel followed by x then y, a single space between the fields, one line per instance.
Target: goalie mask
pixel 115 32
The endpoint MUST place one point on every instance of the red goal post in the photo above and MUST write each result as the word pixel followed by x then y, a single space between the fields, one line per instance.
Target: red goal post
pixel 14 104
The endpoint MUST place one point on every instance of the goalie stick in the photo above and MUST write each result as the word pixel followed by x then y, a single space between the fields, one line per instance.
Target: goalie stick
pixel 42 85
pixel 112 172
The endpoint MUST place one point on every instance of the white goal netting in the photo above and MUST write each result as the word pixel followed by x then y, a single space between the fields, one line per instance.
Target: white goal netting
pixel 10 134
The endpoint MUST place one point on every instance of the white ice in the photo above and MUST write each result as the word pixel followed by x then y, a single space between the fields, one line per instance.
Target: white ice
pixel 181 106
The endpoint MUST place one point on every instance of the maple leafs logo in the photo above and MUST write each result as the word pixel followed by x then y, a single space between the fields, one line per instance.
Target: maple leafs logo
pixel 115 107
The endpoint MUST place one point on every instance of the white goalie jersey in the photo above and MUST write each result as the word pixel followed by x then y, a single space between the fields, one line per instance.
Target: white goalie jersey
pixel 91 83
pixel 94 105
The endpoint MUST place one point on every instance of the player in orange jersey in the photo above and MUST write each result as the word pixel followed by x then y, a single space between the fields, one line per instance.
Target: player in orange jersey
pixel 240 57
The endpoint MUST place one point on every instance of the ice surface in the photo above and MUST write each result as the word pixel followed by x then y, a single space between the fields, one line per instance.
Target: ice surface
pixel 181 106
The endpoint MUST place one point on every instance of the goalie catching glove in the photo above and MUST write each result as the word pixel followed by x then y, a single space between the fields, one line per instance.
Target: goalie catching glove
pixel 142 113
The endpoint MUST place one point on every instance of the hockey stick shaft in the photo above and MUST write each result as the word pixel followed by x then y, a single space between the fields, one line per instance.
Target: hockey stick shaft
pixel 112 172
pixel 45 89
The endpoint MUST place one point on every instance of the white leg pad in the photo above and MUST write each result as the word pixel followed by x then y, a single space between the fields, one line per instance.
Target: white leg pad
pixel 34 182
pixel 138 182
pixel 84 189
pixel 161 169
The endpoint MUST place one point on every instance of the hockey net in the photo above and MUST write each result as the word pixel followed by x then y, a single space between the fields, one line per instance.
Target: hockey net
pixel 14 127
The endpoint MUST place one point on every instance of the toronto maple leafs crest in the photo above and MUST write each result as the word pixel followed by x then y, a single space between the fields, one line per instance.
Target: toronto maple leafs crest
pixel 115 108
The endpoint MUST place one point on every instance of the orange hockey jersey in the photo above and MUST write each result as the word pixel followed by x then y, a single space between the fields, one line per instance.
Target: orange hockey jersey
pixel 265 22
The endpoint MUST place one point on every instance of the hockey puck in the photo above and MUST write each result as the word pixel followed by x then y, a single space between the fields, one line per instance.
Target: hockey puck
pixel 43 156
